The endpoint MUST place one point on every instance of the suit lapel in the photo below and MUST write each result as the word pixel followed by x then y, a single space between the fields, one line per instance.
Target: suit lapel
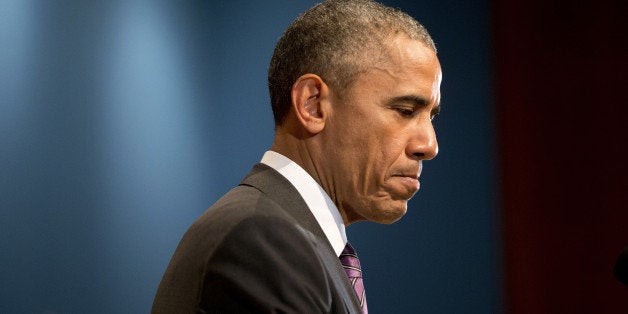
pixel 278 188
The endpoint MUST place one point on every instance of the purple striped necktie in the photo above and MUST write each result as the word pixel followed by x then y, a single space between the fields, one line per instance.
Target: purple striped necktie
pixel 351 264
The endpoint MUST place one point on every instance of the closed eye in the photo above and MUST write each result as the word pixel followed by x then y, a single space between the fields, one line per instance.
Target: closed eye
pixel 407 106
pixel 405 112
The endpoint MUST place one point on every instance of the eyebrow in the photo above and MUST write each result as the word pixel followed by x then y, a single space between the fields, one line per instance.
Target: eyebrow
pixel 417 101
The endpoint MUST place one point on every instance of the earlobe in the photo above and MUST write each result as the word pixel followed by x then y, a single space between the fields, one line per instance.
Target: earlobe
pixel 308 94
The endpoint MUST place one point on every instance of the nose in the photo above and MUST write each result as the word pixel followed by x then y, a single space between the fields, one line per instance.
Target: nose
pixel 423 144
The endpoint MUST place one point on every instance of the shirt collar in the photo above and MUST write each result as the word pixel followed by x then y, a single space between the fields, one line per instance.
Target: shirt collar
pixel 316 199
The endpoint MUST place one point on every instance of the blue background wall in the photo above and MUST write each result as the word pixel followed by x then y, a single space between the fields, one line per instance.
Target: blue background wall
pixel 122 121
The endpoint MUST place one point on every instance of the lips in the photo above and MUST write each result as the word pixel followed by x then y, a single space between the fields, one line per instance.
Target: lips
pixel 406 185
pixel 411 176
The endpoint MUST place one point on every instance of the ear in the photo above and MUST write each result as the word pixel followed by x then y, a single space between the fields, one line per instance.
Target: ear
pixel 310 97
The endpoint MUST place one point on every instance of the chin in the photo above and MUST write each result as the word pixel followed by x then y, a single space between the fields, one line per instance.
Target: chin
pixel 389 214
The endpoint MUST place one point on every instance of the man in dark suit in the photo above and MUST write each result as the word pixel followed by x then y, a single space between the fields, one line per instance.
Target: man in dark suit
pixel 354 86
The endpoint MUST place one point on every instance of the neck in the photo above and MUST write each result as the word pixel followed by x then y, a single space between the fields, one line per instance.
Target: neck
pixel 299 148
pixel 306 151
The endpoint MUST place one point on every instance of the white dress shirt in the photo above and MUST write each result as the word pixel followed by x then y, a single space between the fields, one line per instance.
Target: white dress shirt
pixel 323 209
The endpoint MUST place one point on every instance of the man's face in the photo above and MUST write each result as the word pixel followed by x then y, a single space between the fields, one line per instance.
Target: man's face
pixel 378 135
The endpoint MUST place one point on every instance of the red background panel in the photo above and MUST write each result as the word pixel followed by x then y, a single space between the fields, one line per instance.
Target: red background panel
pixel 561 75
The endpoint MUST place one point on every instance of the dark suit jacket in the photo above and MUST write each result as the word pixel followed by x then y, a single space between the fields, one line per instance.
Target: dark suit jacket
pixel 258 249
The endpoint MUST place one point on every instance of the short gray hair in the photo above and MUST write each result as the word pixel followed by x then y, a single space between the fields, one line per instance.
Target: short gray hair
pixel 336 40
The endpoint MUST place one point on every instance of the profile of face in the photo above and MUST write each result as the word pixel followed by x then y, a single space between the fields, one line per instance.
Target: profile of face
pixel 379 132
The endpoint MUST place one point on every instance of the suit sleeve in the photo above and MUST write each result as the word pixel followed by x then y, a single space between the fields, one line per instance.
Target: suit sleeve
pixel 265 265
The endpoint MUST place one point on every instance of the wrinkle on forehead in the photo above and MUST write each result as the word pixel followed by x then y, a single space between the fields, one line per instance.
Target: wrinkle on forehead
pixel 402 53
pixel 407 57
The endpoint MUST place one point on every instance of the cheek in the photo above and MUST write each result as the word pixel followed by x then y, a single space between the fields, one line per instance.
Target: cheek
pixel 393 149
pixel 369 148
pixel 386 151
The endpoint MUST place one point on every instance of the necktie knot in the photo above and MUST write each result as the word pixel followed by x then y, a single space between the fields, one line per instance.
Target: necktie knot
pixel 351 264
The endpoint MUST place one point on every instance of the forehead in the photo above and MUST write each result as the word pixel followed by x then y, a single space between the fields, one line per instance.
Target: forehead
pixel 408 56
pixel 407 68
